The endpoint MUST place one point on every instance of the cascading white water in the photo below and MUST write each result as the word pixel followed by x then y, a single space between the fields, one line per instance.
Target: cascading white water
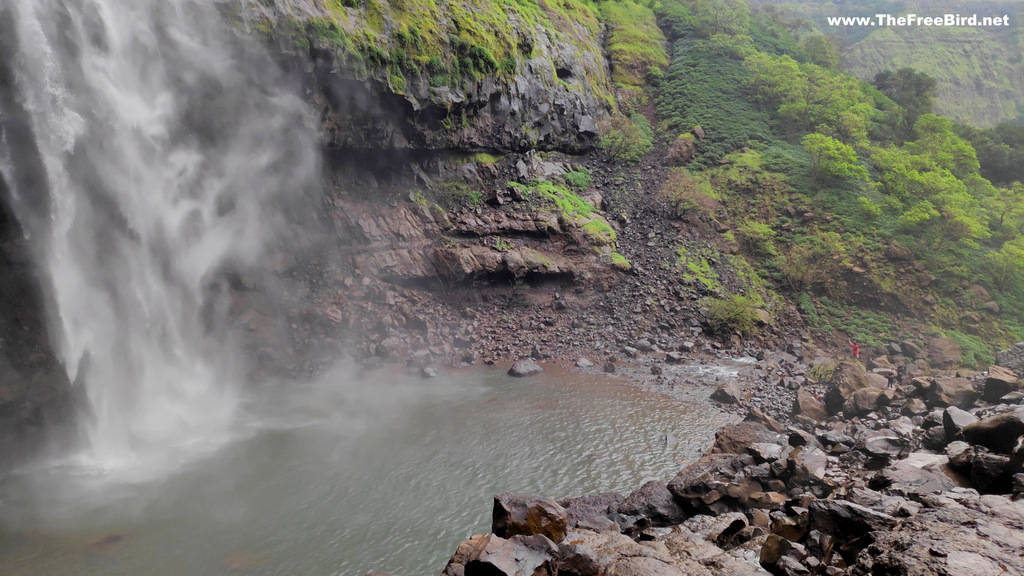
pixel 168 146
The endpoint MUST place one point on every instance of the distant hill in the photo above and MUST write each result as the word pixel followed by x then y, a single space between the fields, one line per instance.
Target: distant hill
pixel 979 71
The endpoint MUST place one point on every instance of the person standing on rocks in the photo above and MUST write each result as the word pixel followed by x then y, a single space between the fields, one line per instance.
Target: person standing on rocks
pixel 856 350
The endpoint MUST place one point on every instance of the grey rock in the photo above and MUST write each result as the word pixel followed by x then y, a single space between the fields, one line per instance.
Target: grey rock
pixel 525 367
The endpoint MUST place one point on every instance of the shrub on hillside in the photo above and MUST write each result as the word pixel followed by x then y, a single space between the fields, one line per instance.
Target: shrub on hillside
pixel 627 139
pixel 681 151
pixel 757 237
pixel 732 313
pixel 688 192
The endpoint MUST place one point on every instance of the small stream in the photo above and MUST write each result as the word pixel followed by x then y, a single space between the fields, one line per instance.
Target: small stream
pixel 347 475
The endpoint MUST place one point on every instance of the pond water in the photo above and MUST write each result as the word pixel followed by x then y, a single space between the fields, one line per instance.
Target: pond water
pixel 348 475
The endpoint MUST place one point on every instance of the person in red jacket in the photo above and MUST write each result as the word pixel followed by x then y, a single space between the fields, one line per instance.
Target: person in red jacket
pixel 856 350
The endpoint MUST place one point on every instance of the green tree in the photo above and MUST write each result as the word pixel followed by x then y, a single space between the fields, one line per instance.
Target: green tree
pixel 832 160
pixel 1006 265
pixel 820 50
pixel 713 17
pixel 936 138
pixel 913 90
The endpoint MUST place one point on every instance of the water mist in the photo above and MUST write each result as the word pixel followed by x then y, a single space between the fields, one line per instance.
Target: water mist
pixel 167 149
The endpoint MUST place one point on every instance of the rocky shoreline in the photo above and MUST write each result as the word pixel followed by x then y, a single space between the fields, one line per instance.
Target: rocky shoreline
pixel 856 475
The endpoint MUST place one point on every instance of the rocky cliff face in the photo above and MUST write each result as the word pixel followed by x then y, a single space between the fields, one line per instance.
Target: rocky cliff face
pixel 445 75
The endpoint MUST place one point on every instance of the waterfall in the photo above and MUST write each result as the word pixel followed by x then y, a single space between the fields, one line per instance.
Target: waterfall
pixel 167 150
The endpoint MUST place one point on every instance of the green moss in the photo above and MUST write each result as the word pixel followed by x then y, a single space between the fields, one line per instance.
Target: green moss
pixel 697 267
pixel 578 179
pixel 576 212
pixel 451 41
pixel 635 43
pixel 484 158
pixel 620 261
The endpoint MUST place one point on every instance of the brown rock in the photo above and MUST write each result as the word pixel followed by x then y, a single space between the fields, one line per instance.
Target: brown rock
pixel 997 433
pixel 957 392
pixel 525 367
pixel 734 438
pixel 517 556
pixel 1000 382
pixel 727 394
pixel 586 508
pixel 919 473
pixel 759 417
pixel 654 505
pixel 954 420
pixel 516 514
pixel 773 549
pixel 846 379
pixel 866 401
pixel 944 353
pixel 807 404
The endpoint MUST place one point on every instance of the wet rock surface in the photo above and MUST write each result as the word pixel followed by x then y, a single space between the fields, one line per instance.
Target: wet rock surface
pixel 856 492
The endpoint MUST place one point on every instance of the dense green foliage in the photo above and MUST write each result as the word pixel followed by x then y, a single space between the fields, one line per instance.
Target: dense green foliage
pixel 857 198
pixel 979 71
pixel 913 90
pixel 704 87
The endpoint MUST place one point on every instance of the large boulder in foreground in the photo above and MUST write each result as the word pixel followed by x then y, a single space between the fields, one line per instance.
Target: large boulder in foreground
pixel 492 555
pixel 956 533
pixel 516 514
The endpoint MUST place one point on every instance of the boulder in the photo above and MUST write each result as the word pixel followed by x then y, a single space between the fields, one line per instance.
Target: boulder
pixel 960 455
pixel 516 514
pixel 525 367
pixel 866 401
pixel 516 556
pixel 918 473
pixel 846 379
pixel 957 533
pixel 997 433
pixel 991 473
pixel 807 404
pixel 910 349
pixel 591 508
pixel 999 382
pixel 957 392
pixel 954 420
pixel 774 549
pixel 884 446
pixel 727 394
pixel 878 379
pixel 733 439
pixel 847 522
pixel 702 487
pixel 944 353
pixel 653 505
pixel 807 464
pixel 586 553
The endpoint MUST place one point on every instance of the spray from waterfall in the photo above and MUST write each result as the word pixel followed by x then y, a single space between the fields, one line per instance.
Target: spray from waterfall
pixel 168 150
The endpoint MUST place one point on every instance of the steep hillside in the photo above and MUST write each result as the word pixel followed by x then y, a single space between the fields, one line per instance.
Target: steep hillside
pixel 979 71
pixel 980 76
